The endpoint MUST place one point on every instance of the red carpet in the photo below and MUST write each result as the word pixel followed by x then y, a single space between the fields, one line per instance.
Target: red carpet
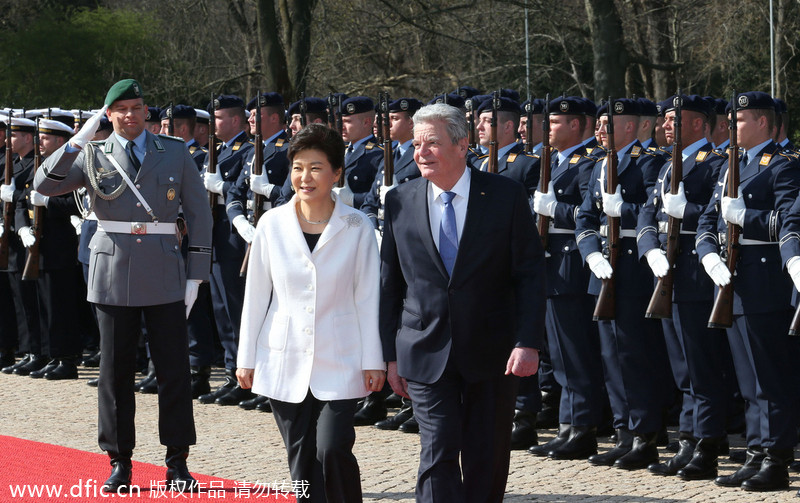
pixel 33 472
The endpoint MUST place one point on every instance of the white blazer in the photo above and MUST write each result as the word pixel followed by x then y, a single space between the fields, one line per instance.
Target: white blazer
pixel 310 320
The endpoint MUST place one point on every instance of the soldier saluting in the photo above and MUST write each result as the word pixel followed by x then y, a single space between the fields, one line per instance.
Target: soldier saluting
pixel 137 182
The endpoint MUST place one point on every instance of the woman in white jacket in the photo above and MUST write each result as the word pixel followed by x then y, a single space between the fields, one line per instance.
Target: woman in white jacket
pixel 309 338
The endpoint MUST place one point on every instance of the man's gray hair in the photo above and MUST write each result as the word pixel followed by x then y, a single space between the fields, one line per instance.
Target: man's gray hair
pixel 454 119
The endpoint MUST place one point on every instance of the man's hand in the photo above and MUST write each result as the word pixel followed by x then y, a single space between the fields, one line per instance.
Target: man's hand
pixel 88 130
pixel 374 379
pixel 214 182
pixel 244 228
pixel 344 194
pixel 26 236
pixel 544 203
pixel 716 269
pixel 192 287
pixel 38 199
pixel 658 262
pixel 599 265
pixel 398 384
pixel 612 203
pixel 382 191
pixel 523 362
pixel 7 192
pixel 260 184
pixel 245 377
pixel 675 206
pixel 76 222
pixel 733 210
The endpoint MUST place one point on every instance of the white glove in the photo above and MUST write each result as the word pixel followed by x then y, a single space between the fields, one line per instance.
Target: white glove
pixel 716 269
pixel 379 237
pixel 244 228
pixel 260 184
pixel 612 203
pixel 658 262
pixel 544 203
pixel 7 192
pixel 214 182
pixel 382 191
pixel 192 287
pixel 88 130
pixel 76 222
pixel 2 229
pixel 344 194
pixel 733 210
pixel 26 236
pixel 599 265
pixel 793 266
pixel 38 199
pixel 675 206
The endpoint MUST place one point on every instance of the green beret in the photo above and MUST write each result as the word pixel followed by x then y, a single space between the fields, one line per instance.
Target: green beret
pixel 127 89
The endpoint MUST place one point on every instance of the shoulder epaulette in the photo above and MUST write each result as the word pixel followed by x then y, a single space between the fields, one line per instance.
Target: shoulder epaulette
pixel 236 146
pixel 511 158
pixel 279 142
pixel 369 146
pixel 636 151
pixel 168 137
pixel 701 155
pixel 790 154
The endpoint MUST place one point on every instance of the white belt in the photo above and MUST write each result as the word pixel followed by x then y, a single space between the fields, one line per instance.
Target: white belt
pixel 623 233
pixel 663 229
pixel 266 206
pixel 557 230
pixel 221 200
pixel 112 226
pixel 723 239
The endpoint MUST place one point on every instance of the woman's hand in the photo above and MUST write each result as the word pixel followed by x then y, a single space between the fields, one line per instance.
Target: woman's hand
pixel 245 378
pixel 373 379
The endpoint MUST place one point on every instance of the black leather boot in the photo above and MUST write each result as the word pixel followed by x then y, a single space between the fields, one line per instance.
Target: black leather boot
pixel 51 365
pixel 200 385
pixel 235 396
pixel 643 453
pixel 372 411
pixel 751 466
pixel 686 446
pixel 67 369
pixel 121 473
pixel 24 361
pixel 623 446
pixel 35 362
pixel 253 402
pixel 523 430
pixel 581 443
pixel 264 406
pixel 774 472
pixel 410 426
pixel 229 384
pixel 560 438
pixel 149 384
pixel 178 477
pixel 394 422
pixel 703 465
pixel 93 360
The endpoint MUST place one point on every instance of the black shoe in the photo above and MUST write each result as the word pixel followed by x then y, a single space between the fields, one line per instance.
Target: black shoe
pixel 523 430
pixel 9 369
pixel 686 447
pixel 394 422
pixel 643 453
pixel 200 384
pixel 92 361
pixel 51 365
pixel 774 472
pixel 673 447
pixel 66 369
pixel 410 426
pixel 93 382
pixel 149 381
pixel 253 402
pixel 581 443
pixel 229 384
pixel 121 474
pixel 623 446
pixel 739 456
pixel 235 396
pixel 794 466
pixel 394 401
pixel 7 358
pixel 178 477
pixel 703 465
pixel 548 417
pixel 750 467
pixel 264 407
pixel 561 437
pixel 36 362
pixel 662 439
pixel 372 411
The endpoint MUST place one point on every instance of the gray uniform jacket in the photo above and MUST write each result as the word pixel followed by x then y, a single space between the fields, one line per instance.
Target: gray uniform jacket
pixel 136 269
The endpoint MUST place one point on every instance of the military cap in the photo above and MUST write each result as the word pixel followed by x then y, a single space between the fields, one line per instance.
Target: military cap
pixel 153 114
pixel 622 106
pixel 410 105
pixel 27 114
pixel 505 105
pixel 81 115
pixel 313 105
pixel 720 105
pixel 475 102
pixel 590 106
pixel 648 108
pixel 267 100
pixel 693 103
pixel 357 105
pixel 127 89
pixel 510 93
pixel 202 115
pixel 52 126
pixel 467 92
pixel 178 112
pixel 780 106
pixel 536 103
pixel 567 105
pixel 224 101
pixel 754 100
pixel 23 125
pixel 451 99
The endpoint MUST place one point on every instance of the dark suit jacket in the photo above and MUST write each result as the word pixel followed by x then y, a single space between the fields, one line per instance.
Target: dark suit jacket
pixel 493 302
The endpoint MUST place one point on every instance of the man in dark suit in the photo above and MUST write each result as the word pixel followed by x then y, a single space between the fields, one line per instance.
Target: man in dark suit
pixel 462 308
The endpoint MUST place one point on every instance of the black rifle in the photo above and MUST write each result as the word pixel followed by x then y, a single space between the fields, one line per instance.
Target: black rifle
pixel 543 223
pixel 492 168
pixel 31 270
pixel 8 208
pixel 171 126
pixel 606 306
pixel 212 149
pixel 258 170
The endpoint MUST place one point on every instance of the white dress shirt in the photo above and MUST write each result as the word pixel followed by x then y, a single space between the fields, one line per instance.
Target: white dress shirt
pixel 436 206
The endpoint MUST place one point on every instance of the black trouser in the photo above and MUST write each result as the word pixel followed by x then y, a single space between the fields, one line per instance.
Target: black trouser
pixel 58 311
pixel 319 438
pixel 169 349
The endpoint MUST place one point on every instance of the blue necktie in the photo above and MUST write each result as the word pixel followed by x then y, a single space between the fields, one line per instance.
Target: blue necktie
pixel 448 233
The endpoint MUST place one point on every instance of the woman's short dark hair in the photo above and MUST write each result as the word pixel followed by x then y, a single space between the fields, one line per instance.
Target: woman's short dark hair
pixel 319 137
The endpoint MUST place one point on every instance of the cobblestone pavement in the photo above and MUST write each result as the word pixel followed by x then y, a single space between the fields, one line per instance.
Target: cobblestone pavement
pixel 245 445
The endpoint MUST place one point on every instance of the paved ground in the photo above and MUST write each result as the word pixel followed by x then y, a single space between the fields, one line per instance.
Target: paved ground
pixel 246 445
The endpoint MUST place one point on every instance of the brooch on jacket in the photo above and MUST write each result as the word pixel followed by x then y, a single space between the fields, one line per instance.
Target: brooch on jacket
pixel 352 220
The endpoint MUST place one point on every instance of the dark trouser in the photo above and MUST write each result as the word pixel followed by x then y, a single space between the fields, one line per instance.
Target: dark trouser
pixel 169 350
pixel 59 296
pixel 575 353
pixel 472 419
pixel 768 376
pixel 201 328
pixel 26 306
pixel 680 369
pixel 319 437
pixel 8 316
pixel 227 287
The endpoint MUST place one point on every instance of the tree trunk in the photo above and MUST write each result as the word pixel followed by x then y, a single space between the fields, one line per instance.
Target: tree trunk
pixel 276 76
pixel 610 56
